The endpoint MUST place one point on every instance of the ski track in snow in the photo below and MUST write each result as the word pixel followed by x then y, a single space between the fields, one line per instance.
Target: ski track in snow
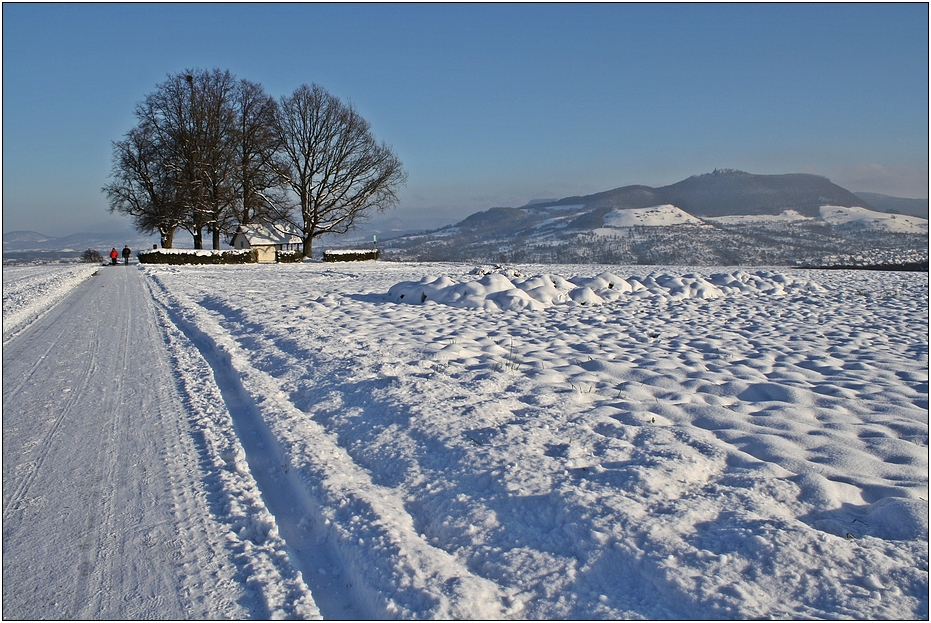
pixel 549 442
pixel 758 454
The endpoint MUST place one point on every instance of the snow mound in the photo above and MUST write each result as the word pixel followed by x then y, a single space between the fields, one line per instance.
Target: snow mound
pixel 656 216
pixel 506 290
pixel 898 518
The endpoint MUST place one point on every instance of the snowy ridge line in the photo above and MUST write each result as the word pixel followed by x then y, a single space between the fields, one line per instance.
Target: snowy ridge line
pixel 235 498
pixel 25 300
pixel 338 505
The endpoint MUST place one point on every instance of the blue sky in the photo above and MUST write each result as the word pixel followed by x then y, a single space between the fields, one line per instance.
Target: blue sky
pixel 488 104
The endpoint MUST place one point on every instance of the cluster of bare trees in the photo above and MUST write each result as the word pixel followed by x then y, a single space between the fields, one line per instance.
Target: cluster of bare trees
pixel 211 152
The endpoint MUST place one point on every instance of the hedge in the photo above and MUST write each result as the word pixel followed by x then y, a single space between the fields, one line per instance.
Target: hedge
pixel 197 256
pixel 358 255
pixel 289 256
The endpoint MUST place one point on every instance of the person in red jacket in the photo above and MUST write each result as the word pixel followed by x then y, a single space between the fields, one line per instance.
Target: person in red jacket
pixel 113 255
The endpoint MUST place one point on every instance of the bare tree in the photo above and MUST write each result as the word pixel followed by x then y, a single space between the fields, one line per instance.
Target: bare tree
pixel 211 152
pixel 193 119
pixel 332 164
pixel 142 187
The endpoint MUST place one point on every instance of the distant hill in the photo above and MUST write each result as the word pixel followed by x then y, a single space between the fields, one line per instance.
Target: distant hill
pixel 19 238
pixel 896 205
pixel 726 217
pixel 728 192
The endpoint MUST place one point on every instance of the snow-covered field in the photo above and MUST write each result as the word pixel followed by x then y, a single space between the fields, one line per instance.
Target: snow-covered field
pixel 868 219
pixel 657 216
pixel 853 218
pixel 29 291
pixel 572 441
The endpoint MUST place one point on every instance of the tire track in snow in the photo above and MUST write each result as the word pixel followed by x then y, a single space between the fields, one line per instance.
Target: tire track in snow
pixel 327 506
pixel 206 568
pixel 229 486
pixel 266 468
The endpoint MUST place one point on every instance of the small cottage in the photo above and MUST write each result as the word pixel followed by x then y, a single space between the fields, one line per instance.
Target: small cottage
pixel 267 240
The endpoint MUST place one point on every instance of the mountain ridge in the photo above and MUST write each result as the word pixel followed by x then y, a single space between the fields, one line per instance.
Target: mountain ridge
pixel 740 213
pixel 743 193
pixel 725 217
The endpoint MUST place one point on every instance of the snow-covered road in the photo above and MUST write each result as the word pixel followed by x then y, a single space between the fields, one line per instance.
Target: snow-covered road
pixel 112 505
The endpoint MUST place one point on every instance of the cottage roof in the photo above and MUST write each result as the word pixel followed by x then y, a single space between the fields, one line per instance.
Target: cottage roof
pixel 264 235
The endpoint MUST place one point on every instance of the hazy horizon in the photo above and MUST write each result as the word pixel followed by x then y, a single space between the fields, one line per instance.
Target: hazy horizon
pixel 415 219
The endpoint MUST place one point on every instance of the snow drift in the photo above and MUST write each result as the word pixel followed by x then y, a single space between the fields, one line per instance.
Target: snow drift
pixel 497 291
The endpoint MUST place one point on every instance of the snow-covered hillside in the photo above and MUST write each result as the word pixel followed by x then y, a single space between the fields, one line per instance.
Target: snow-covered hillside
pixel 862 218
pixel 726 217
pixel 666 234
pixel 786 216
pixel 656 216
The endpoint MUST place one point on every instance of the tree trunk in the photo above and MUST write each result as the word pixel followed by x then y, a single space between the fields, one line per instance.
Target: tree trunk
pixel 216 239
pixel 198 238
pixel 308 246
pixel 168 236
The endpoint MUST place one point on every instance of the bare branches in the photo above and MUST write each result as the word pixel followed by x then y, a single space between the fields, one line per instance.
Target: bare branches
pixel 332 164
pixel 191 120
pixel 259 199
pixel 142 186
